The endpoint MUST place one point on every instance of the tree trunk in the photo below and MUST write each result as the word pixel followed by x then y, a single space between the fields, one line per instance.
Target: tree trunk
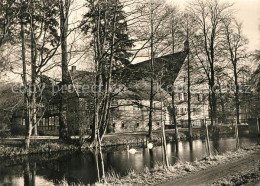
pixel 175 121
pixel 163 135
pixel 213 96
pixel 236 94
pixel 105 113
pixel 237 105
pixel 151 112
pixel 26 96
pixel 33 78
pixel 96 157
pixel 101 158
pixel 152 77
pixel 207 139
pixel 189 100
pixel 164 145
pixel 64 11
pixel 96 109
pixel 28 133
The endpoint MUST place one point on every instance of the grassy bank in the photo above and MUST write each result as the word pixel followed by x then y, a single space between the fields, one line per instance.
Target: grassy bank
pixel 36 147
pixel 159 175
pixel 9 147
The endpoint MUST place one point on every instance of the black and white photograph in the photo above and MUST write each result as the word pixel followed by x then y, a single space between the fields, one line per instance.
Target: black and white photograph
pixel 129 92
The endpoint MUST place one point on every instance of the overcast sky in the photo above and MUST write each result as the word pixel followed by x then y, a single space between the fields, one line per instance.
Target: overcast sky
pixel 248 11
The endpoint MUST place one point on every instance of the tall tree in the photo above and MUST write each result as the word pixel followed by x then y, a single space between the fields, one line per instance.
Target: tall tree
pixel 64 6
pixel 152 70
pixel 208 16
pixel 234 44
pixel 106 23
pixel 150 29
pixel 38 30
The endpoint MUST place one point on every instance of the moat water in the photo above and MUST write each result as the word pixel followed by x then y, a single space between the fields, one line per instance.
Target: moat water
pixel 74 168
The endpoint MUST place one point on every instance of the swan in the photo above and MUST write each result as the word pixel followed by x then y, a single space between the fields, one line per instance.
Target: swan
pixel 132 150
pixel 150 145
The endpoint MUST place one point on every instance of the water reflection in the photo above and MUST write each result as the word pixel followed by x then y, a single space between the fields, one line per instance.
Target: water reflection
pixel 29 174
pixel 76 168
pixel 151 158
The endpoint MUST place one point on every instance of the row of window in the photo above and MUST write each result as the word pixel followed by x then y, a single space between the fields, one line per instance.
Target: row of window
pixel 137 124
pixel 184 110
pixel 47 122
pixel 184 97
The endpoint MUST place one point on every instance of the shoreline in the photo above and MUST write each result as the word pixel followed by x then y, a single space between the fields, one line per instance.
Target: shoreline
pixel 10 147
pixel 177 173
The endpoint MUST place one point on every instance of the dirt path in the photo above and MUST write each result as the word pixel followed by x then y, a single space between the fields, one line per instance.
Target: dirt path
pixel 210 175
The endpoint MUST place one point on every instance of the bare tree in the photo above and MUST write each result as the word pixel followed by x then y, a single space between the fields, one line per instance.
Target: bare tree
pixel 40 35
pixel 153 14
pixel 208 16
pixel 235 44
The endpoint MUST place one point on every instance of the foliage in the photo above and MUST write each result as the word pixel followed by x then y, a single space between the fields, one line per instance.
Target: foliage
pixel 122 40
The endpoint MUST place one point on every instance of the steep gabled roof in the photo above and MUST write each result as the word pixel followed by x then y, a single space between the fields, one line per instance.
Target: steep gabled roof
pixel 169 65
pixel 175 59
pixel 135 74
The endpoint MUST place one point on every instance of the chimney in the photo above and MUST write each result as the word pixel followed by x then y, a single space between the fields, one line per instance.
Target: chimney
pixel 186 46
pixel 73 68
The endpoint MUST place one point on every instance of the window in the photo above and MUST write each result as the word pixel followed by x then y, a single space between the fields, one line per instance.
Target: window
pixel 185 96
pixel 43 122
pixel 198 97
pixel 158 123
pixel 137 124
pixel 51 122
pixel 46 122
pixel 57 121
pixel 194 111
pixel 90 126
pixel 122 125
pixel 184 79
pixel 114 124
